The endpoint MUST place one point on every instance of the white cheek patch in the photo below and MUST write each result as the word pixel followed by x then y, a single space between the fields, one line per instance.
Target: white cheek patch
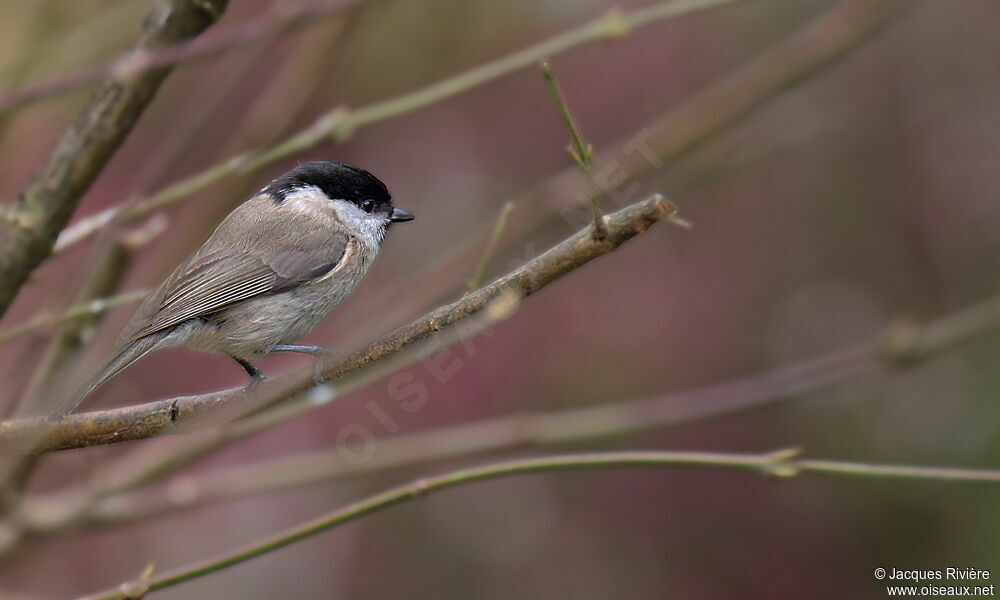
pixel 370 226
pixel 311 199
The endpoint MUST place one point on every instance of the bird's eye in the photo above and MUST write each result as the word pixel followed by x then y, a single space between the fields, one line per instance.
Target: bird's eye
pixel 368 206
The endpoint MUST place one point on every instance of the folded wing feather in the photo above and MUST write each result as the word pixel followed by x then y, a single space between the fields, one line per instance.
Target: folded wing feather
pixel 215 277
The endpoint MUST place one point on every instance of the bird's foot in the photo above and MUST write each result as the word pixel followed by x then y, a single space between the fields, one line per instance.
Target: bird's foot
pixel 319 354
pixel 319 361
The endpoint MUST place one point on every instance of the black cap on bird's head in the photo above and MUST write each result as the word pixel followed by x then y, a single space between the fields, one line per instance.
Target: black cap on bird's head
pixel 339 181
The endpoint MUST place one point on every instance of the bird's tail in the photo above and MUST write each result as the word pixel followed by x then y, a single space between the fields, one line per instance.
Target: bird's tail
pixel 125 356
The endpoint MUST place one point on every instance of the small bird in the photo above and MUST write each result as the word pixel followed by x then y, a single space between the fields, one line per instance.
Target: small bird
pixel 275 267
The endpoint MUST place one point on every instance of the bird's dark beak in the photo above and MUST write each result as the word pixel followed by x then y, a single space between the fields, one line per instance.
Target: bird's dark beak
pixel 400 216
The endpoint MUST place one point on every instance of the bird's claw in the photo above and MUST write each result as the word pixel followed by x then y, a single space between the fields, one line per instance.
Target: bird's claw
pixel 254 382
pixel 319 359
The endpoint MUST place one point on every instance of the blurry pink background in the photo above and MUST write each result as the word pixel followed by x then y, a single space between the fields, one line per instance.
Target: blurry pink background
pixel 867 193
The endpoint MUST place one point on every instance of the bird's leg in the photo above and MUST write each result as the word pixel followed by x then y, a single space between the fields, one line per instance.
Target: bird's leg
pixel 317 352
pixel 255 374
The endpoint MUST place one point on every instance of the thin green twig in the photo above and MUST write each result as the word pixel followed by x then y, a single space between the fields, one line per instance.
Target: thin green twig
pixel 491 247
pixel 581 152
pixel 779 464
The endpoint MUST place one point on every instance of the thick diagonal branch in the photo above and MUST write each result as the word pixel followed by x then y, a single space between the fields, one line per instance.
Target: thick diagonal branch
pixel 29 229
pixel 185 413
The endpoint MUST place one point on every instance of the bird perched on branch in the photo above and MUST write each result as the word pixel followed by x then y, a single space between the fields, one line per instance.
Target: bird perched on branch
pixel 275 267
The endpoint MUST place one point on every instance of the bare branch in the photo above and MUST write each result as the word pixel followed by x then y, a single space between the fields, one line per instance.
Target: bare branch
pixel 779 464
pixel 29 230
pixel 171 416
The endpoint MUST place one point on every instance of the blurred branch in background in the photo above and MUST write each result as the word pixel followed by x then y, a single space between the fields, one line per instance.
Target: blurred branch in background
pixel 92 307
pixel 102 276
pixel 170 416
pixel 342 123
pixel 783 463
pixel 29 229
pixel 282 19
pixel 901 344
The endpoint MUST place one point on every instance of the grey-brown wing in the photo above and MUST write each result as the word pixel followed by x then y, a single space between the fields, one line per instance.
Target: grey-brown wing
pixel 216 277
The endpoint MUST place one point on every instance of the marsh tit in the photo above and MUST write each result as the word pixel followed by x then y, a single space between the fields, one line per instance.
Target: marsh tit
pixel 275 267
